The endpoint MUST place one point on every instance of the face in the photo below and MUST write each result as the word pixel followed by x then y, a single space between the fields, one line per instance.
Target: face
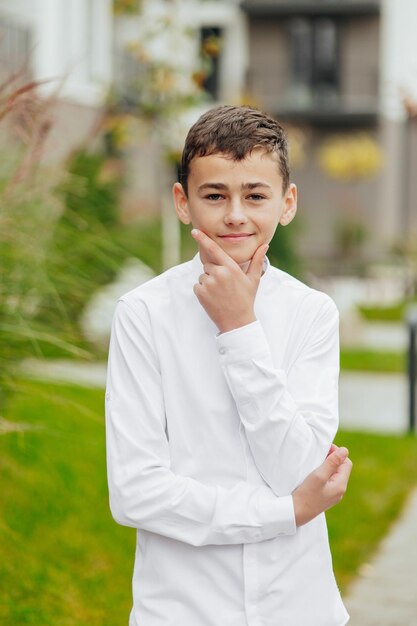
pixel 238 204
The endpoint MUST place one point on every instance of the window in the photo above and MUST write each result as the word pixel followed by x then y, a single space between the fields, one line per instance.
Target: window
pixel 210 42
pixel 15 48
pixel 314 61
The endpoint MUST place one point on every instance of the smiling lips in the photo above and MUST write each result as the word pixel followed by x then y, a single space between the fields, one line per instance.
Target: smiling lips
pixel 235 237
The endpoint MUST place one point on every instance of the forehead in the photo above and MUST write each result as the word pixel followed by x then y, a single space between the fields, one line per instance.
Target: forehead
pixel 258 165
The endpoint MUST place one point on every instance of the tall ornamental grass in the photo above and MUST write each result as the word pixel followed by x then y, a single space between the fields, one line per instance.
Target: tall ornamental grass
pixel 56 244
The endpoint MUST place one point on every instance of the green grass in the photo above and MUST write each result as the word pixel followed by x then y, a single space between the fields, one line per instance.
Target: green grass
pixel 394 313
pixel 65 561
pixel 384 472
pixel 372 360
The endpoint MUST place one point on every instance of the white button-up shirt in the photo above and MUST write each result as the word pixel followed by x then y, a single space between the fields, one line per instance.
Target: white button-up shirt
pixel 208 434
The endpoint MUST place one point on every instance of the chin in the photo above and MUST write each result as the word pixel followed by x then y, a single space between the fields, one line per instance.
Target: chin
pixel 239 256
pixel 241 259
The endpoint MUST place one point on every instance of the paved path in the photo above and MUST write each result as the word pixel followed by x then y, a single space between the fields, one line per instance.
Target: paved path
pixel 373 401
pixel 386 593
pixel 79 373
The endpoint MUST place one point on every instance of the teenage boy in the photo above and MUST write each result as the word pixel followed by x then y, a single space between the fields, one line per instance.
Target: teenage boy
pixel 222 401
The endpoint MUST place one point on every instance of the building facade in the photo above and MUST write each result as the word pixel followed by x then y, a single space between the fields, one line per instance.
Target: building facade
pixel 336 69
pixel 331 71
pixel 335 72
pixel 67 46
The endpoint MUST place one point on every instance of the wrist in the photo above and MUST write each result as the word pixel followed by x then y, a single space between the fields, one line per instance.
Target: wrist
pixel 297 507
pixel 225 327
pixel 301 513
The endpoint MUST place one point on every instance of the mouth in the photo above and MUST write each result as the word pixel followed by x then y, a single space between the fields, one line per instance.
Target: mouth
pixel 236 237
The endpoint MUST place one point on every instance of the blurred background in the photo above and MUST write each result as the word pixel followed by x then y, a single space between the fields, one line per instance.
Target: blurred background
pixel 96 97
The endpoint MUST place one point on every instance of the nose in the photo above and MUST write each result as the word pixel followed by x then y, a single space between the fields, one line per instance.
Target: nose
pixel 235 214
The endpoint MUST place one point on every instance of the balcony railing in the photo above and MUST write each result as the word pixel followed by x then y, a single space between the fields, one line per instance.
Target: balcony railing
pixel 336 111
pixel 286 8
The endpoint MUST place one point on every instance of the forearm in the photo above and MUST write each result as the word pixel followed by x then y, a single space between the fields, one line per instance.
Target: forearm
pixel 187 510
pixel 289 435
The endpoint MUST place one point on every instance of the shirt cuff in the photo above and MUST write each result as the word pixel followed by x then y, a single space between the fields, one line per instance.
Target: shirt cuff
pixel 278 517
pixel 245 342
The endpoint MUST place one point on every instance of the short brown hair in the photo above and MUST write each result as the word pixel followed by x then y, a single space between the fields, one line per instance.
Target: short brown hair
pixel 235 131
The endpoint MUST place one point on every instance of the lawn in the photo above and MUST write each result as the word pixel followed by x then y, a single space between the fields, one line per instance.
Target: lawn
pixel 363 359
pixel 393 313
pixel 64 561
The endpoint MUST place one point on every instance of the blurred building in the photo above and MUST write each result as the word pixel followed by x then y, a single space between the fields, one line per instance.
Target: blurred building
pixel 335 72
pixel 174 35
pixel 341 67
pixel 329 70
pixel 69 46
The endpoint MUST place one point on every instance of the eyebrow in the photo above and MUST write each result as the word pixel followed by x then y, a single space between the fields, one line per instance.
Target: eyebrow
pixel 223 187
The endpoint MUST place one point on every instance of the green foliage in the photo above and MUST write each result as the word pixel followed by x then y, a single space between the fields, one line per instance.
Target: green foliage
pixel 126 7
pixel 87 193
pixel 83 255
pixel 29 213
pixel 362 359
pixel 56 248
pixel 65 561
pixel 59 238
pixel 142 240
pixel 282 252
pixel 350 236
pixel 393 313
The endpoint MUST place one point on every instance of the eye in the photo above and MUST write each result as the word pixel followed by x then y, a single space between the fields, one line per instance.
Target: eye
pixel 214 197
pixel 256 197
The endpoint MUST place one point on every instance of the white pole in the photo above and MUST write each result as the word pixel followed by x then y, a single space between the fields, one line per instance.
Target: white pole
pixel 171 232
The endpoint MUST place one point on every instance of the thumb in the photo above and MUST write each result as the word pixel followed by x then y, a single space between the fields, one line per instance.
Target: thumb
pixel 334 460
pixel 256 265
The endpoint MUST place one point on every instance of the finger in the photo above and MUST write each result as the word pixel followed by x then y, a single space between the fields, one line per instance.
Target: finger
pixel 341 478
pixel 332 449
pixel 213 252
pixel 257 263
pixel 197 291
pixel 333 461
pixel 209 268
pixel 203 278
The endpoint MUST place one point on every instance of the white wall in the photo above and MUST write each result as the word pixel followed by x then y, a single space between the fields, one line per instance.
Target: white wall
pixel 72 44
pixel 398 75
pixel 398 55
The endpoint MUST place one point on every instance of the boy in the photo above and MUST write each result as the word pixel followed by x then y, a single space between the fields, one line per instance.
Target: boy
pixel 222 401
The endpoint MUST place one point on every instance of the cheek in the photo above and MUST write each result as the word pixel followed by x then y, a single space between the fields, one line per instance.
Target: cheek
pixel 268 225
pixel 203 218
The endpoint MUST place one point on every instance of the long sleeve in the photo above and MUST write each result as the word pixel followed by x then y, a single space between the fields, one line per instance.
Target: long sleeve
pixel 144 492
pixel 290 417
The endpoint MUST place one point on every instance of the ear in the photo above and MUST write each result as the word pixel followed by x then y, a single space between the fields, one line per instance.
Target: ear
pixel 289 205
pixel 181 203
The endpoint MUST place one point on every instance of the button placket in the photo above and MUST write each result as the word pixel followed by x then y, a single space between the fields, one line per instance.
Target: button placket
pixel 250 567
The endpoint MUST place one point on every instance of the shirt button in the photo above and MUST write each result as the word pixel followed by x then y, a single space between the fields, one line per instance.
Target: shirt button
pixel 222 350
